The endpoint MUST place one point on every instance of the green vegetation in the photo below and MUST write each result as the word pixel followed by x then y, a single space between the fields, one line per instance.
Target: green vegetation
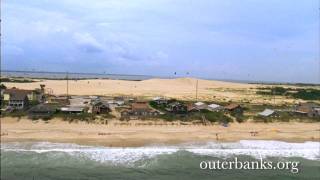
pixel 272 91
pixel 15 113
pixel 33 103
pixel 169 117
pixel 15 80
pixel 239 117
pixel 72 117
pixel 107 116
pixel 285 117
pixel 211 116
pixel 161 107
pixel 305 94
pixel 2 86
pixel 200 115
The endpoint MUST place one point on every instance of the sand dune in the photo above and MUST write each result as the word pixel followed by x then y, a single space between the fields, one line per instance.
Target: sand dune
pixel 181 88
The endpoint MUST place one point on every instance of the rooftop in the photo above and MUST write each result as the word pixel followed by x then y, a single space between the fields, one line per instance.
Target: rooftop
pixel 18 96
pixel 140 105
pixel 266 112
pixel 232 106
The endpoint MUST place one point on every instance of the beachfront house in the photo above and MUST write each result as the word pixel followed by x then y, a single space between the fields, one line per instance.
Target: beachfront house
pixel 160 100
pixel 191 108
pixel 139 110
pixel 308 109
pixel 61 100
pixel 18 100
pixel 268 113
pixel 177 108
pixel 234 108
pixel 115 103
pixel 100 107
pixel 80 101
pixel 200 105
pixel 215 107
pixel 33 95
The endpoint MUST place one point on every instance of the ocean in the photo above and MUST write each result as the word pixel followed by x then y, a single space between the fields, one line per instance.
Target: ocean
pixel 79 75
pixel 47 161
pixel 62 75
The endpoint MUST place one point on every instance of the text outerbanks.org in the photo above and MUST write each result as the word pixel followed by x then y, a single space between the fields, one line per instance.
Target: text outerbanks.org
pixel 259 164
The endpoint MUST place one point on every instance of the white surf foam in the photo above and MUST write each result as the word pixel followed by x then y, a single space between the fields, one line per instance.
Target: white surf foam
pixel 257 149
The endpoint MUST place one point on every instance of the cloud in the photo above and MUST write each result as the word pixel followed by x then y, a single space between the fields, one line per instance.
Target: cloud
pixel 228 39
pixel 88 43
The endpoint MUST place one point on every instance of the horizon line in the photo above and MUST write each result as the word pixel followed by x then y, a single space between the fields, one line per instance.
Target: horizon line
pixel 153 76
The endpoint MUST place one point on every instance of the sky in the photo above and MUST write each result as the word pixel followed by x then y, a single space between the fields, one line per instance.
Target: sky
pixel 260 40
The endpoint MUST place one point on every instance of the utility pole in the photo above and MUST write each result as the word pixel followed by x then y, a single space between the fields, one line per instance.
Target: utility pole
pixel 274 96
pixel 197 90
pixel 67 85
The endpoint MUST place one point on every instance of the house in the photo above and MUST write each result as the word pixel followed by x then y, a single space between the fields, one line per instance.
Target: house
pixel 42 110
pixel 177 107
pixel 308 109
pixel 191 108
pixel 139 110
pixel 2 89
pixel 80 101
pixel 160 100
pixel 72 109
pixel 119 101
pixel 234 108
pixel 33 95
pixel 200 105
pixel 267 113
pixel 62 100
pixel 18 100
pixel 100 108
pixel 115 103
pixel 215 107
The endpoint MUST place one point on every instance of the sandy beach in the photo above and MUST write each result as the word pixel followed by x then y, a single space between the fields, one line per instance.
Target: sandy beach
pixel 139 133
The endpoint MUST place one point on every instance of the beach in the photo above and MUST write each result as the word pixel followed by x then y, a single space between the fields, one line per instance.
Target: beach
pixel 39 150
pixel 140 133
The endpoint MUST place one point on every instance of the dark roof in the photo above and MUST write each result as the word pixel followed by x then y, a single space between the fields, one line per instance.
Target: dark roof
pixel 100 104
pixel 18 96
pixel 15 90
pixel 176 103
pixel 43 108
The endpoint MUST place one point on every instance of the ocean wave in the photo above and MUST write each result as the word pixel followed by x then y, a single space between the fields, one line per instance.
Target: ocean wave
pixel 127 155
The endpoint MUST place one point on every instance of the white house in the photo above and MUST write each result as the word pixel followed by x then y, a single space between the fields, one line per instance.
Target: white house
pixel 267 113
pixel 200 105
pixel 214 107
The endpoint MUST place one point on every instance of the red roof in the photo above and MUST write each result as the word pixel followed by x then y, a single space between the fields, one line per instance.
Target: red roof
pixel 232 106
pixel 140 106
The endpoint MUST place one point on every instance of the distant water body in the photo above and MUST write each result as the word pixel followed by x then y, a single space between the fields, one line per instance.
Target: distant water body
pixel 62 75
pixel 48 161
pixel 77 75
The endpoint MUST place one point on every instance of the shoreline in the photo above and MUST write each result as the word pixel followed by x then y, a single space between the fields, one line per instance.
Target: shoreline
pixel 113 135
